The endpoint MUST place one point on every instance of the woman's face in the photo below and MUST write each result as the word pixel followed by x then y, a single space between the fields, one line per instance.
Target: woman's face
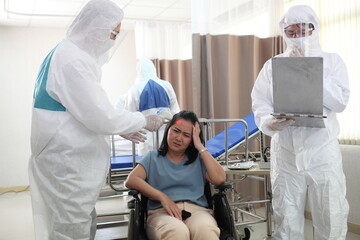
pixel 180 135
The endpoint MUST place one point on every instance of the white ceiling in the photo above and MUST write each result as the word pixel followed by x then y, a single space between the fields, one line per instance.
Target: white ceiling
pixel 60 13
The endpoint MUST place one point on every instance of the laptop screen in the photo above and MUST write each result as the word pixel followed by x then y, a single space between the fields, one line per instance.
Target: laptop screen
pixel 298 86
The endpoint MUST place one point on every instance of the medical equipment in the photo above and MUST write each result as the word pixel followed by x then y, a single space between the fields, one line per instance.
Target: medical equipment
pixel 242 165
pixel 225 144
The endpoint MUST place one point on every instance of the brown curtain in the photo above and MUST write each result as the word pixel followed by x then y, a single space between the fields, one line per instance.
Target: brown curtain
pixel 225 68
pixel 178 73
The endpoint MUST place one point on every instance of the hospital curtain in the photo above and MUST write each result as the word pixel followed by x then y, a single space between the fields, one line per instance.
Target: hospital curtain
pixel 339 33
pixel 226 67
pixel 231 42
pixel 163 40
pixel 169 46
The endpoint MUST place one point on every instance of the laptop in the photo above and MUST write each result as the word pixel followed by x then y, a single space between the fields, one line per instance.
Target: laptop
pixel 298 90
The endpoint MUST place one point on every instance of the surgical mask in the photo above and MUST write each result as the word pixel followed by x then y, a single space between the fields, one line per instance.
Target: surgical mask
pixel 309 46
pixel 112 46
pixel 108 44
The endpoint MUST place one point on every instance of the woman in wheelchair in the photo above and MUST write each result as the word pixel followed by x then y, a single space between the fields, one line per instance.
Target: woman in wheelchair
pixel 173 179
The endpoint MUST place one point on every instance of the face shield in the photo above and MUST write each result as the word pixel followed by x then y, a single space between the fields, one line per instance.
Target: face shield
pixel 297 37
pixel 116 37
pixel 299 30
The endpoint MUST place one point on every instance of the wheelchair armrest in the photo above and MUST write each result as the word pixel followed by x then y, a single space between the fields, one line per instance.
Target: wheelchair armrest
pixel 133 192
pixel 223 187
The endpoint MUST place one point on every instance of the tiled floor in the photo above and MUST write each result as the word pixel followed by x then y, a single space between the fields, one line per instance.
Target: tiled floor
pixel 16 219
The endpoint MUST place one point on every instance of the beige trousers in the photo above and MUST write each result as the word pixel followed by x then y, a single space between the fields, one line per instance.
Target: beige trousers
pixel 200 226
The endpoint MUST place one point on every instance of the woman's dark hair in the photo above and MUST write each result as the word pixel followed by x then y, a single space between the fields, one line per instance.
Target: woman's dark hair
pixel 191 152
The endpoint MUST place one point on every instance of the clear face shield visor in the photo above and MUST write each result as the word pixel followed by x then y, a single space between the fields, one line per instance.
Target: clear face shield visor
pixel 299 30
pixel 296 37
pixel 116 38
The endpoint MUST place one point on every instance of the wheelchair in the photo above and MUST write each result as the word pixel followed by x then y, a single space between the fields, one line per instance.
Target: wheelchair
pixel 218 202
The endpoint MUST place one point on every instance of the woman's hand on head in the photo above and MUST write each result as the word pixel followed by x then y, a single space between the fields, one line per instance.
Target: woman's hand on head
pixel 196 137
pixel 171 207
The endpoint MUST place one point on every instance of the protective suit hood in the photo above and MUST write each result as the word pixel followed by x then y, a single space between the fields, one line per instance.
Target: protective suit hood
pixel 145 70
pixel 302 14
pixel 92 27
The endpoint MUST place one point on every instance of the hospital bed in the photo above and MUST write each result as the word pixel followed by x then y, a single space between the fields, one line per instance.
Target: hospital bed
pixel 224 145
pixel 121 163
pixel 231 149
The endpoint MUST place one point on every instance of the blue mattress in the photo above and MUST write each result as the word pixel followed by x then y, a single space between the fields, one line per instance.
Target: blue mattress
pixel 125 161
pixel 236 134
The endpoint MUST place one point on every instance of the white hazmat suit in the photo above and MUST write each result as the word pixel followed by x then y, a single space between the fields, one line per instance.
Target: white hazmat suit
pixel 306 163
pixel 71 122
pixel 151 95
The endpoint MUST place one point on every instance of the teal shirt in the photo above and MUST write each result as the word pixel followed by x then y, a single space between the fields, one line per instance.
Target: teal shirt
pixel 178 181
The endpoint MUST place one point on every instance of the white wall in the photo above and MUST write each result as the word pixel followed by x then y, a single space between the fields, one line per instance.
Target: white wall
pixel 351 167
pixel 21 53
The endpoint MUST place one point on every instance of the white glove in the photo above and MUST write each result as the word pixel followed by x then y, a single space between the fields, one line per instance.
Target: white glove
pixel 278 124
pixel 153 122
pixel 135 137
pixel 165 113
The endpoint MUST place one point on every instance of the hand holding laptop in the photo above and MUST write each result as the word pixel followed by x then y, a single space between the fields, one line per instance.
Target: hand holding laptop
pixel 278 124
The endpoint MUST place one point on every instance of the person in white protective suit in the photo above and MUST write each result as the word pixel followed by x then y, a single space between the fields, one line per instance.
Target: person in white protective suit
pixel 151 95
pixel 72 119
pixel 306 163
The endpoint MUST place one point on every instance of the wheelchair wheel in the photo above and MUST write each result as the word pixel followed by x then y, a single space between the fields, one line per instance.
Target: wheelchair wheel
pixel 131 232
